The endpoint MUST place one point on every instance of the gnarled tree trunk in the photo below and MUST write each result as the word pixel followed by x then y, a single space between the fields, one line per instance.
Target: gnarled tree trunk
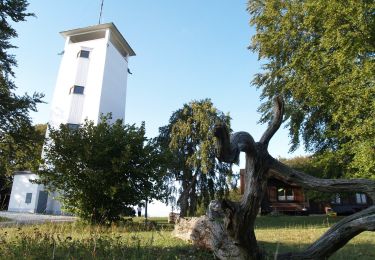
pixel 231 224
pixel 188 191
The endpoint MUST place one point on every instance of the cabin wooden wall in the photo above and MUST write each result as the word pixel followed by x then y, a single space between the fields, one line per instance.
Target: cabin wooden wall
pixel 299 195
pixel 272 193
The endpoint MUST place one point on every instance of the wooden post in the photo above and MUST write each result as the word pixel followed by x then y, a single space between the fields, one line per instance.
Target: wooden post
pixel 146 204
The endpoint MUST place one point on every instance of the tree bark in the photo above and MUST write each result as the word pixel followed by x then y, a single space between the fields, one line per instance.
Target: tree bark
pixel 238 218
pixel 183 200
pixel 192 200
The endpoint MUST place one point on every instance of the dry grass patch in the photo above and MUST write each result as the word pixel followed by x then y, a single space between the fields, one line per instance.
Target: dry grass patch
pixel 79 241
pixel 134 240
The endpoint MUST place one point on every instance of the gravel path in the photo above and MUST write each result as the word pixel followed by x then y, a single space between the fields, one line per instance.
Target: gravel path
pixel 28 218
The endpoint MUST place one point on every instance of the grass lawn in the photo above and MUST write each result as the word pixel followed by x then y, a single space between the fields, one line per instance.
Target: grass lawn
pixel 2 219
pixel 286 233
pixel 130 241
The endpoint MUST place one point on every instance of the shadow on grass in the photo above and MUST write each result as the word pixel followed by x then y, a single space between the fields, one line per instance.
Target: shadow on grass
pixel 285 221
pixel 362 251
pixel 295 233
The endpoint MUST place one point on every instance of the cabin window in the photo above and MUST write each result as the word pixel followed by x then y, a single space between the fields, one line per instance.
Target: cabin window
pixel 77 89
pixel 83 54
pixel 28 198
pixel 360 198
pixel 73 126
pixel 285 194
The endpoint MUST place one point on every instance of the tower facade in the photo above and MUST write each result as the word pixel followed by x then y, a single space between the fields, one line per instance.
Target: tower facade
pixel 92 80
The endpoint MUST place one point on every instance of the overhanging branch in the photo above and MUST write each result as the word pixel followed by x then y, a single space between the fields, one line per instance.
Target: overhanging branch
pixel 281 171
pixel 278 111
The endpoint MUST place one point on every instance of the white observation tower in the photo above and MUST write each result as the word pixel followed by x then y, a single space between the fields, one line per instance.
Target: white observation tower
pixel 92 80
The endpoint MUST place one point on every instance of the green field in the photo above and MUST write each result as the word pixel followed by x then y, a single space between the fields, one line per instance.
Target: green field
pixel 285 233
pixel 134 240
pixel 2 219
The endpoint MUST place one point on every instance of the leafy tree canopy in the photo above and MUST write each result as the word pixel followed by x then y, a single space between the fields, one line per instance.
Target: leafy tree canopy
pixel 189 139
pixel 319 55
pixel 14 109
pixel 15 156
pixel 317 166
pixel 101 171
pixel 25 156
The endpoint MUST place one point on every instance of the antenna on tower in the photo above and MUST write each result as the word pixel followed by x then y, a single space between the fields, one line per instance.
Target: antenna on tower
pixel 101 11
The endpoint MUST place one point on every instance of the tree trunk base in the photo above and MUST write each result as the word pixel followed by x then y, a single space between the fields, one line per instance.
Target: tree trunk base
pixel 208 232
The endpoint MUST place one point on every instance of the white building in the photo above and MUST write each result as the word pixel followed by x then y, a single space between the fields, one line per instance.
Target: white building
pixel 92 80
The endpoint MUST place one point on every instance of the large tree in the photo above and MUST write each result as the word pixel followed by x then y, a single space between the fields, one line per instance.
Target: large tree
pixel 16 132
pixel 319 56
pixel 189 139
pixel 14 109
pixel 16 156
pixel 101 171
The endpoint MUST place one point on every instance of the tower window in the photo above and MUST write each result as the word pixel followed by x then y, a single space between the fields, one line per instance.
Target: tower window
pixel 28 198
pixel 83 54
pixel 76 89
pixel 73 126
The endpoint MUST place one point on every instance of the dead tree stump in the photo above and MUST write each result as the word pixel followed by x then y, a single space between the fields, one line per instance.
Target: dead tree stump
pixel 228 229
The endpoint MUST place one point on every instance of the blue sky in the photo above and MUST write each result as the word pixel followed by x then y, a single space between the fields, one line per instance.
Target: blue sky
pixel 186 50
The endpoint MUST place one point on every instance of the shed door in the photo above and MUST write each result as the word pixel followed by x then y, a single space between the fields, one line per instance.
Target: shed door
pixel 42 202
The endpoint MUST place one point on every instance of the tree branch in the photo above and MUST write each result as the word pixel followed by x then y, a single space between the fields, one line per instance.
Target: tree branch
pixel 281 171
pixel 337 236
pixel 278 111
pixel 229 148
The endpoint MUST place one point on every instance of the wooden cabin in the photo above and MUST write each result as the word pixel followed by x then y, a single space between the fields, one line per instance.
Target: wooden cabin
pixel 349 203
pixel 290 198
pixel 284 197
pixel 281 197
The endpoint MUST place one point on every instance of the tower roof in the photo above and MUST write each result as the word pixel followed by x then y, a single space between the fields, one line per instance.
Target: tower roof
pixel 80 34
